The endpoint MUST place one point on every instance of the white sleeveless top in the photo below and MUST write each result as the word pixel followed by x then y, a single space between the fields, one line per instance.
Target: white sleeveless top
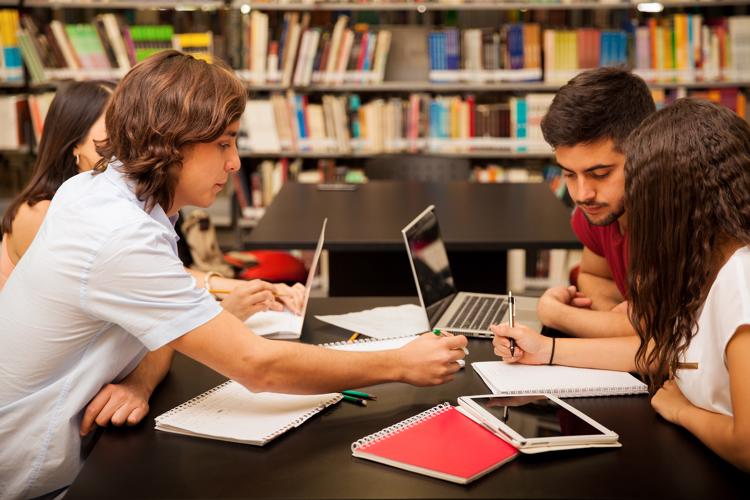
pixel 727 307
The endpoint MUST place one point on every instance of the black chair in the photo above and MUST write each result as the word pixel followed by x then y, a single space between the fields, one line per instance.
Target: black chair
pixel 423 168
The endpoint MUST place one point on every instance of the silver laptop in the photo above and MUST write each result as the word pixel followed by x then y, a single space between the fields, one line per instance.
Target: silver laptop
pixel 446 308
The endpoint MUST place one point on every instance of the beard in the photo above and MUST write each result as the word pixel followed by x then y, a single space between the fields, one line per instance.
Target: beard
pixel 607 219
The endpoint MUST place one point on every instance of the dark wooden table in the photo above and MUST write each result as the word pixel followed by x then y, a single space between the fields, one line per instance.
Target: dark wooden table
pixel 479 223
pixel 657 460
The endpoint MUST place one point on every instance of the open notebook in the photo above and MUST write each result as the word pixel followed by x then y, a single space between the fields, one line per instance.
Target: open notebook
pixel 285 324
pixel 562 381
pixel 440 442
pixel 229 412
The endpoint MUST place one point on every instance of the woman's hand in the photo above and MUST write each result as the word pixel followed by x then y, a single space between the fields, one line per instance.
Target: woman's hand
pixel 669 402
pixel 532 348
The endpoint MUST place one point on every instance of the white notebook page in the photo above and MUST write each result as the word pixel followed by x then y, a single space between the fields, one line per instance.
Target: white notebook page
pixel 233 413
pixel 563 381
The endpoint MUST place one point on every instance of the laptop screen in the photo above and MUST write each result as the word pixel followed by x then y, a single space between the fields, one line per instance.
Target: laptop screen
pixel 430 264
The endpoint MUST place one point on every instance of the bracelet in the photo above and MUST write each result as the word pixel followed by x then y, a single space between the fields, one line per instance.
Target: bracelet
pixel 552 354
pixel 207 279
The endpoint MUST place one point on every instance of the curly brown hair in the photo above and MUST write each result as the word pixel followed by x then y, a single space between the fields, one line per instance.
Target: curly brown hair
pixel 167 102
pixel 687 189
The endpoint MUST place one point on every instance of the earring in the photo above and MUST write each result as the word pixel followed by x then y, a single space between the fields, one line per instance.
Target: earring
pixel 77 159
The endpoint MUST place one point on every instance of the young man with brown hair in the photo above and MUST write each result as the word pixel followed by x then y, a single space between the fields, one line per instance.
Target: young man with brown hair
pixel 587 124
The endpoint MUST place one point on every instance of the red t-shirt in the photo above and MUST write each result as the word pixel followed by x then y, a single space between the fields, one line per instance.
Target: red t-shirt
pixel 607 242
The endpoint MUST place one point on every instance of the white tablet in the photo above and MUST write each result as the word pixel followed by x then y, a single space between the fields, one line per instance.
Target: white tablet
pixel 537 421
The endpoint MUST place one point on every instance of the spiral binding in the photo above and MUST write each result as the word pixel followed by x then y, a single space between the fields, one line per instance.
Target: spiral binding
pixel 363 341
pixel 581 392
pixel 192 402
pixel 298 421
pixel 401 426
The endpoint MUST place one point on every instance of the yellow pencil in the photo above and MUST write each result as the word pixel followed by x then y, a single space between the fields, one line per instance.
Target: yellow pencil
pixel 353 337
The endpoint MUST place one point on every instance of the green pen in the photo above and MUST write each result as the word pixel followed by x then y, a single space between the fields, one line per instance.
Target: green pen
pixel 439 333
pixel 356 401
pixel 358 394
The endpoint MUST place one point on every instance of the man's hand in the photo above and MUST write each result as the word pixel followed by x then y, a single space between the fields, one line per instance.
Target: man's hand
pixel 532 348
pixel 117 404
pixel 432 360
pixel 550 302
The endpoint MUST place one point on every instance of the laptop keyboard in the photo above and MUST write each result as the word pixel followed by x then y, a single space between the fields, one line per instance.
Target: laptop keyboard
pixel 478 313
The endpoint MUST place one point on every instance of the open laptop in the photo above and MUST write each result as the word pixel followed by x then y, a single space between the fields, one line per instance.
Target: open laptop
pixel 285 324
pixel 446 308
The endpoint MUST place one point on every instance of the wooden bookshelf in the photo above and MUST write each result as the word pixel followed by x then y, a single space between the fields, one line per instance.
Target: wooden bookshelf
pixel 473 6
pixel 479 154
pixel 128 4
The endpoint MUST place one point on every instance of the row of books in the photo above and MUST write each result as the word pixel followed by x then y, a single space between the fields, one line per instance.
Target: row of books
pixel 493 173
pixel 11 65
pixel 731 97
pixel 23 119
pixel 256 189
pixel 512 53
pixel 685 47
pixel 302 54
pixel 421 122
pixel 105 48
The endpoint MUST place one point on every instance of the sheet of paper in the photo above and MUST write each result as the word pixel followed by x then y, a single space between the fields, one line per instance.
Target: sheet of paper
pixel 284 324
pixel 382 322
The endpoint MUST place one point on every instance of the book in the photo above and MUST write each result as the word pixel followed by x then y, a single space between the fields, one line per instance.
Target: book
pixel 440 442
pixel 229 412
pixel 562 381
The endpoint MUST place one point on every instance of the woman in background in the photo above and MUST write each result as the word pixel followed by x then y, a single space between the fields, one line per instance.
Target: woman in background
pixel 74 122
pixel 687 198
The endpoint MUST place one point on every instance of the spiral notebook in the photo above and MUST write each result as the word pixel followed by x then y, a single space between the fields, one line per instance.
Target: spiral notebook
pixel 440 442
pixel 562 381
pixel 229 412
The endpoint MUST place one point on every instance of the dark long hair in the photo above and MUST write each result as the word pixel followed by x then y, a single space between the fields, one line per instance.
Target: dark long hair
pixel 687 189
pixel 169 101
pixel 72 113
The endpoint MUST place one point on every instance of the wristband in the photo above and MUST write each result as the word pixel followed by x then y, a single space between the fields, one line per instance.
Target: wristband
pixel 207 279
pixel 552 354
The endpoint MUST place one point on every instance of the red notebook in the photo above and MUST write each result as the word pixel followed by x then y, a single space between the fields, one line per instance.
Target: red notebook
pixel 440 442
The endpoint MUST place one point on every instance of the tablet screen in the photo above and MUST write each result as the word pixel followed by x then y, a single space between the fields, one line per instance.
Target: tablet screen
pixel 536 416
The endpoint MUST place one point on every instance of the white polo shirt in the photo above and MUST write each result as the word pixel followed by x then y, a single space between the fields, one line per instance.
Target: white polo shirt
pixel 727 307
pixel 100 281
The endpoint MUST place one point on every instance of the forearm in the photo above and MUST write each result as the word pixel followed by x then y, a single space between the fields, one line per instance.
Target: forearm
pixel 616 353
pixel 268 365
pixel 151 370
pixel 603 292
pixel 719 432
pixel 586 323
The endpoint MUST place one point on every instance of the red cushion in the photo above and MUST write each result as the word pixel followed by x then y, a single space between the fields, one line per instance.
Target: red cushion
pixel 274 266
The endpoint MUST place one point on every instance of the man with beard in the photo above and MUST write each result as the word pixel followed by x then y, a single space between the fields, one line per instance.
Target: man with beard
pixel 587 124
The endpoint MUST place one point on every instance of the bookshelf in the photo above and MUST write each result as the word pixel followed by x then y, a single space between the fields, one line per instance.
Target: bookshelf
pixel 410 70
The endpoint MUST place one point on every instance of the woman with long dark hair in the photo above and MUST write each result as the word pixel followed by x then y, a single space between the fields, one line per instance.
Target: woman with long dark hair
pixel 687 195
pixel 74 122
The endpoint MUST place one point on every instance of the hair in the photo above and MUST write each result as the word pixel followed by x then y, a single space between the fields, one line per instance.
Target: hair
pixel 167 102
pixel 71 114
pixel 599 104
pixel 686 191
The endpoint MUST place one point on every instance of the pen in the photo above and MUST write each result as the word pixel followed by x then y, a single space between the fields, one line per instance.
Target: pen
pixel 356 401
pixel 511 321
pixel 440 333
pixel 358 394
pixel 687 366
pixel 353 337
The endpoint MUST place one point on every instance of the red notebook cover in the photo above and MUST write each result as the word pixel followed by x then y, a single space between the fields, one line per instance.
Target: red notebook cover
pixel 440 442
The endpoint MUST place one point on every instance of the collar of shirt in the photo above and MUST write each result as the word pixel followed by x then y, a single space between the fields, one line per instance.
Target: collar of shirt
pixel 114 174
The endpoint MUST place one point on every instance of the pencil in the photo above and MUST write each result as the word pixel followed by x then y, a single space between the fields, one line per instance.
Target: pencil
pixel 353 337
pixel 356 401
pixel 439 333
pixel 687 366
